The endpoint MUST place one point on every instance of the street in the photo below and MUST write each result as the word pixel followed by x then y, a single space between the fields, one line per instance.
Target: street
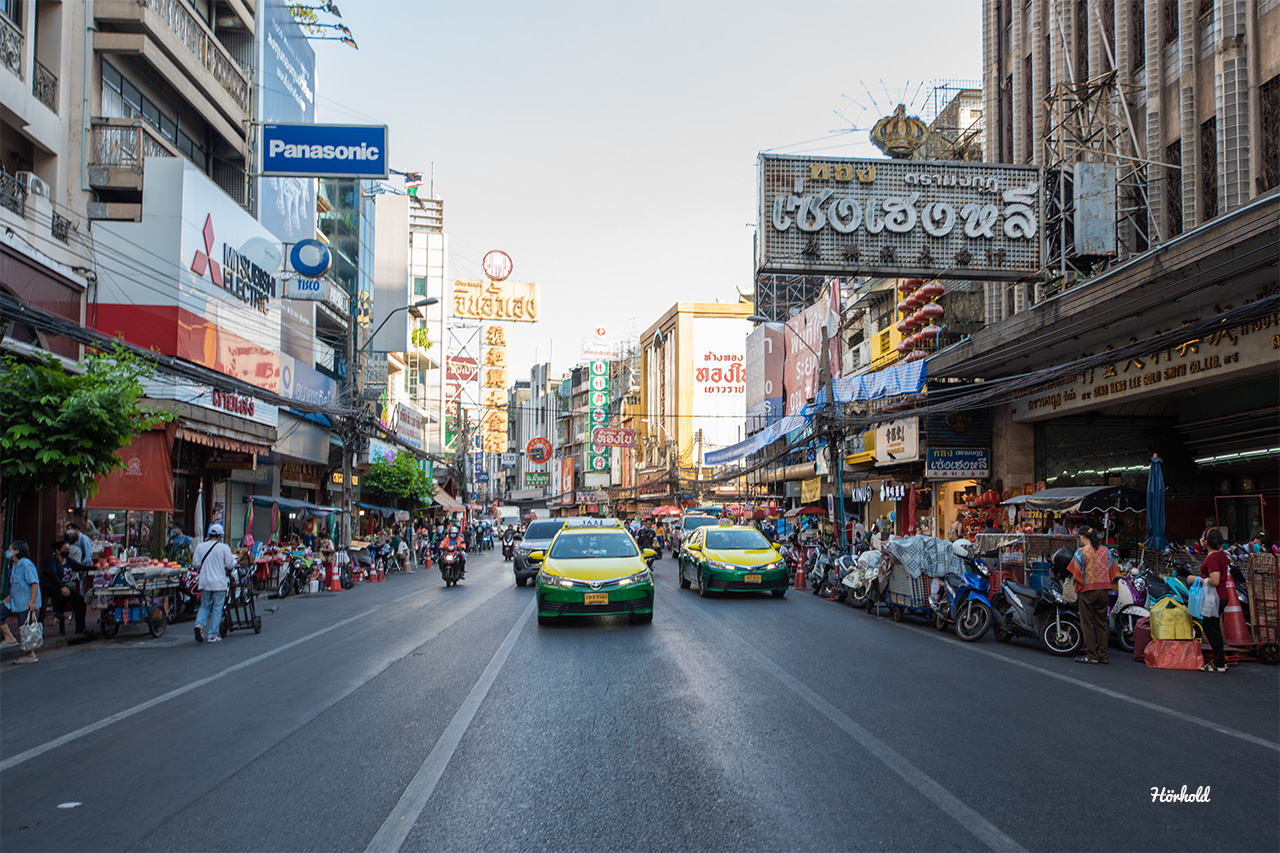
pixel 405 715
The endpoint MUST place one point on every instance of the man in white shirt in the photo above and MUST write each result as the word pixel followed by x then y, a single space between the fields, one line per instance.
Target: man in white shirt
pixel 213 559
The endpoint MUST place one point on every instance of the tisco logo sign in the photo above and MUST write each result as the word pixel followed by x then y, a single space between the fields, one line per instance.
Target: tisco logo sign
pixel 314 289
pixel 232 403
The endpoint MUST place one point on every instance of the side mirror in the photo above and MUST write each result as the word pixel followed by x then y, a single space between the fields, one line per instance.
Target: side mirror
pixel 777 546
pixel 536 556
pixel 649 553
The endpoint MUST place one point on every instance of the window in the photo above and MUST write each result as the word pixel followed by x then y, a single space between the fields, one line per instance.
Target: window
pixel 1209 169
pixel 1108 32
pixel 1173 187
pixel 12 9
pixel 419 286
pixel 169 128
pixel 1169 20
pixel 121 99
pixel 1138 32
pixel 1269 110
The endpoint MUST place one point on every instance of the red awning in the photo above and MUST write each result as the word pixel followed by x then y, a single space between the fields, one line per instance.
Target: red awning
pixel 146 483
pixel 447 501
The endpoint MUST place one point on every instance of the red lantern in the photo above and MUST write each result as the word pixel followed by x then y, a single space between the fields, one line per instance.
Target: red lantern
pixel 930 333
pixel 909 285
pixel 903 307
pixel 917 319
pixel 931 311
pixel 902 347
pixel 903 326
pixel 933 290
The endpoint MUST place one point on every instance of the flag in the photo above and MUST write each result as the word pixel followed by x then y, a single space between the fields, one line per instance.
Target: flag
pixel 275 522
pixel 412 183
pixel 248 524
pixel 199 514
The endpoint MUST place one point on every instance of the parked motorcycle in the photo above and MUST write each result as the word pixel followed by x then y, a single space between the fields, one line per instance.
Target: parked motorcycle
pixel 452 566
pixel 816 570
pixel 1020 611
pixel 860 580
pixel 295 576
pixel 1126 607
pixel 962 598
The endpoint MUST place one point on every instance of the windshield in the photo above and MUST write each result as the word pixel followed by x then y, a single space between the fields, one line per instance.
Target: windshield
pixel 735 540
pixel 543 529
pixel 693 522
pixel 583 546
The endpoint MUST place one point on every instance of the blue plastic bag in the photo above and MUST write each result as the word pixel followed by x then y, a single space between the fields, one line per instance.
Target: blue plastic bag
pixel 1195 596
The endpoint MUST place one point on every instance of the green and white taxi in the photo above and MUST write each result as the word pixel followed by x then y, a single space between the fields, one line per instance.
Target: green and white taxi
pixel 593 567
pixel 731 558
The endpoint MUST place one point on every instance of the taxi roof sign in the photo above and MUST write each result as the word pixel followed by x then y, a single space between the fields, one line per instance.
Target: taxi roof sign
pixel 592 522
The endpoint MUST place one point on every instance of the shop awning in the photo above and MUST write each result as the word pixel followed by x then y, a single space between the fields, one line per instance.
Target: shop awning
pixel 292 504
pixel 448 501
pixel 146 482
pixel 221 438
pixel 1084 499
pixel 384 511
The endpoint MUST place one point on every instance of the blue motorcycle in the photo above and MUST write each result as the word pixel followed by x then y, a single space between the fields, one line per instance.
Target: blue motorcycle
pixel 963 599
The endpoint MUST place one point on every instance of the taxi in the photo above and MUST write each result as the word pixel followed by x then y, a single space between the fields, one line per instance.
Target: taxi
pixel 593 567
pixel 731 557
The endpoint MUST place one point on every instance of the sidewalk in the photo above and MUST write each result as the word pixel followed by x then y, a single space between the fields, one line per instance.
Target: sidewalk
pixel 54 640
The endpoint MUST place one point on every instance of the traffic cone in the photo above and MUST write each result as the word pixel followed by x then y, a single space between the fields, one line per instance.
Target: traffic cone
pixel 800 582
pixel 335 583
pixel 382 574
pixel 1234 630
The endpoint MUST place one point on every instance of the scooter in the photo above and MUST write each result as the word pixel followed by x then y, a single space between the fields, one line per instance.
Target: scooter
pixel 452 566
pixel 295 576
pixel 486 540
pixel 508 546
pixel 1022 612
pixel 816 571
pixel 1127 607
pixel 962 598
pixel 858 582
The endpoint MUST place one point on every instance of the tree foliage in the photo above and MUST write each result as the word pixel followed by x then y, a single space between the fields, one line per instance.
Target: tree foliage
pixel 60 429
pixel 403 478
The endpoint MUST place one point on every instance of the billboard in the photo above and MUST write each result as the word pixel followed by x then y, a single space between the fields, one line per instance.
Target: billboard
pixel 898 441
pixel 719 380
pixel 286 93
pixel 803 341
pixel 765 350
pixel 961 463
pixel 910 218
pixel 214 296
pixel 496 300
pixel 325 150
pixel 597 414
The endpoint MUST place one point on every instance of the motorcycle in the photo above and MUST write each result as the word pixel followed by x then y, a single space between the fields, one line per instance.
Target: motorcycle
pixel 508 546
pixel 1020 611
pixel 860 580
pixel 486 540
pixel 1126 607
pixel 295 576
pixel 452 566
pixel 962 598
pixel 816 569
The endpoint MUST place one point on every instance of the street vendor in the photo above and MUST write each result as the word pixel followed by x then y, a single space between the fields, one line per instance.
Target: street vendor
pixel 60 584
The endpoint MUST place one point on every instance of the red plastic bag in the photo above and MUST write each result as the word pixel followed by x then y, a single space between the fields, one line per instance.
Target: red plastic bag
pixel 1173 654
pixel 1141 638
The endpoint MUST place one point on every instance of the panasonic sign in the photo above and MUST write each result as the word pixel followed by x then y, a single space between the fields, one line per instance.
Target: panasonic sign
pixel 324 150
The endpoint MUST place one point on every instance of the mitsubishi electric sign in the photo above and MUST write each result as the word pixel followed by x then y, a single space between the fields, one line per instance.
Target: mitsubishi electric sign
pixel 324 150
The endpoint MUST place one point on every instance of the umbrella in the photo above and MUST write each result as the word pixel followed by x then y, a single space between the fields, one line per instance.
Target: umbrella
pixel 806 510
pixel 709 510
pixel 199 514
pixel 666 510
pixel 1155 506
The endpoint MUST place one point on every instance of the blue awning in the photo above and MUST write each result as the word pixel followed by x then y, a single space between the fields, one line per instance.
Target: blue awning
pixel 292 504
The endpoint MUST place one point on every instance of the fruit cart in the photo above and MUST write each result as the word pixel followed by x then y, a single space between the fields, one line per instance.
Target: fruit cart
pixel 136 593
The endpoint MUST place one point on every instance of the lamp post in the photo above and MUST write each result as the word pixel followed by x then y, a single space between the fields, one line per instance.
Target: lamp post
pixel 352 432
pixel 834 438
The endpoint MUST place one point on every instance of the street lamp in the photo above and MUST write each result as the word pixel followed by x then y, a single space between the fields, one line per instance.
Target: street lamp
pixel 416 306
pixel 327 7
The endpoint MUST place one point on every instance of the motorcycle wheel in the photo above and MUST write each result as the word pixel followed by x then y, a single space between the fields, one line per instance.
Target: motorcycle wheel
pixel 973 621
pixel 857 597
pixel 998 620
pixel 521 581
pixel 1124 632
pixel 286 587
pixel 1064 641
pixel 939 619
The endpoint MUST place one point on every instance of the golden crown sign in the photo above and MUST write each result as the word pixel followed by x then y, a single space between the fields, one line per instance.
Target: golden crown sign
pixel 899 135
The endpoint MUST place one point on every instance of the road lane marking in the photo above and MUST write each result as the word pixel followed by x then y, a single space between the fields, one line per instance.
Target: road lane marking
pixel 395 829
pixel 983 829
pixel 1105 691
pixel 36 751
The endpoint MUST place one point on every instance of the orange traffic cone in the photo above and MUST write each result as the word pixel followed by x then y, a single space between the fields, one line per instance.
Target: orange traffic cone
pixel 800 581
pixel 335 583
pixel 1234 630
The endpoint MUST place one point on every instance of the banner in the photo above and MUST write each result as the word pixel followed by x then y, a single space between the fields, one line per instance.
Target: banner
pixel 810 490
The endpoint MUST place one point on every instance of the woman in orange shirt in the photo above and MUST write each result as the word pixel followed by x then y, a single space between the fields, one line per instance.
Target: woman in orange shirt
pixel 1095 573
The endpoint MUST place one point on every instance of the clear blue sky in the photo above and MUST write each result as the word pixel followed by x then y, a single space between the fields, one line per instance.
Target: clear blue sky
pixel 609 147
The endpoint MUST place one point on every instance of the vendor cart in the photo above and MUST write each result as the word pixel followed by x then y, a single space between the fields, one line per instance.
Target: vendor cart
pixel 240 611
pixel 914 563
pixel 136 594
pixel 1264 606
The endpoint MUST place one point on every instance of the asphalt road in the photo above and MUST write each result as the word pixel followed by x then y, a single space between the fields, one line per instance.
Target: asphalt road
pixel 405 715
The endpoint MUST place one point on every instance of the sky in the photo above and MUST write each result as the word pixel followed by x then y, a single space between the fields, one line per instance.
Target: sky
pixel 610 147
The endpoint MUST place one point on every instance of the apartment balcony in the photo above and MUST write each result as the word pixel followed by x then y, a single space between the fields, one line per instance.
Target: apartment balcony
pixel 11 46
pixel 180 48
pixel 120 148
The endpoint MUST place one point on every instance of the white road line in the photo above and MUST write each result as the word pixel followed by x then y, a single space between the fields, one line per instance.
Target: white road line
pixel 1105 691
pixel 36 751
pixel 395 829
pixel 983 829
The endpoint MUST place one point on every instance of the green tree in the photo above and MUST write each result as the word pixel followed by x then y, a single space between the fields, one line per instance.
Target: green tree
pixel 60 429
pixel 403 478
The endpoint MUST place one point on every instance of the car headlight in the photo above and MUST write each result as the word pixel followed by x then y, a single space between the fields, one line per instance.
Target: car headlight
pixel 723 567
pixel 523 552
pixel 638 577
pixel 553 580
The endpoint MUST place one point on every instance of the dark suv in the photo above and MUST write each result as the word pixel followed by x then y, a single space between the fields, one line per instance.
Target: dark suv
pixel 536 538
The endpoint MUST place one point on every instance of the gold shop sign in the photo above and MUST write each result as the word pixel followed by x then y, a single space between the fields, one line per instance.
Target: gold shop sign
pixel 496 300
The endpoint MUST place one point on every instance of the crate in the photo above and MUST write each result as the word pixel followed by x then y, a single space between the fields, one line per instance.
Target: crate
pixel 1264 597
pixel 906 591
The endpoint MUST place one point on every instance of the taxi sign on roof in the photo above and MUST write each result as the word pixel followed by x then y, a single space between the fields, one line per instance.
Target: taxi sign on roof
pixel 592 522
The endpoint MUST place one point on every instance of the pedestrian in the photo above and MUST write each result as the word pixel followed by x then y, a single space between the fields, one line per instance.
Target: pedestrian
pixel 24 599
pixel 81 545
pixel 213 559
pixel 876 539
pixel 1095 572
pixel 1214 573
pixel 60 585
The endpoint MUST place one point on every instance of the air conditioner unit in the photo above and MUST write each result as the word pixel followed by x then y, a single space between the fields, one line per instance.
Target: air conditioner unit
pixel 33 185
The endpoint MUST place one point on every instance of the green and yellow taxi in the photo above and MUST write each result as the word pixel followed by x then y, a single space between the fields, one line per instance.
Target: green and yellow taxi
pixel 731 557
pixel 593 567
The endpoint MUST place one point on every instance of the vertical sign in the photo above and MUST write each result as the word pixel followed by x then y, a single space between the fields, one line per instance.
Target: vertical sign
pixel 597 415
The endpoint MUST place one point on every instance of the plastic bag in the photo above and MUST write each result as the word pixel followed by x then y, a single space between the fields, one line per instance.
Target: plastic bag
pixel 1195 596
pixel 1209 602
pixel 31 634
pixel 1170 621
pixel 1173 654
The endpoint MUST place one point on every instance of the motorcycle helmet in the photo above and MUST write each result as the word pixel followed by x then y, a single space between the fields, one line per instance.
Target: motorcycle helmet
pixel 962 548
pixel 1061 559
pixel 454 530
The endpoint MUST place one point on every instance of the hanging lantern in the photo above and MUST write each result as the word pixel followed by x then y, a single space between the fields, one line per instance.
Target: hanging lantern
pixel 931 311
pixel 903 307
pixel 930 333
pixel 933 290
pixel 902 347
pixel 904 326
pixel 918 319
pixel 909 285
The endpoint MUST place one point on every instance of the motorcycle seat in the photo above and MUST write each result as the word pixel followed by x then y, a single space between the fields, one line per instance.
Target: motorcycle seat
pixel 1021 589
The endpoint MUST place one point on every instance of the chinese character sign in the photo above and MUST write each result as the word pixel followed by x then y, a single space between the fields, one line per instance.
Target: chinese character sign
pixel 597 414
pixel 883 217
pixel 496 300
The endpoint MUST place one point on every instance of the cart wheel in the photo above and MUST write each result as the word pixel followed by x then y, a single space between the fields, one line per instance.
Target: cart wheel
pixel 939 619
pixel 257 624
pixel 108 625
pixel 157 621
pixel 895 613
pixel 1269 654
pixel 224 627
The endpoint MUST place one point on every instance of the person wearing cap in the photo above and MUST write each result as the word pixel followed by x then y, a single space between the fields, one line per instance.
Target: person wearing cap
pixel 213 559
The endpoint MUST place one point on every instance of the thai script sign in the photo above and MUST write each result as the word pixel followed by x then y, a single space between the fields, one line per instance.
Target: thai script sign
pixel 537 478
pixel 909 218
pixel 612 437
pixel 958 464
pixel 409 425
pixel 597 414
pixel 496 300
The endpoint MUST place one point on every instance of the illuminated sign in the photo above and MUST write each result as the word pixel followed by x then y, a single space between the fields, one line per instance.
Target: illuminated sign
pixel 496 300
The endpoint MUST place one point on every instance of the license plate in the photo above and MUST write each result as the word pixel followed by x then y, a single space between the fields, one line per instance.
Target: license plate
pixel 595 598
pixel 751 578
